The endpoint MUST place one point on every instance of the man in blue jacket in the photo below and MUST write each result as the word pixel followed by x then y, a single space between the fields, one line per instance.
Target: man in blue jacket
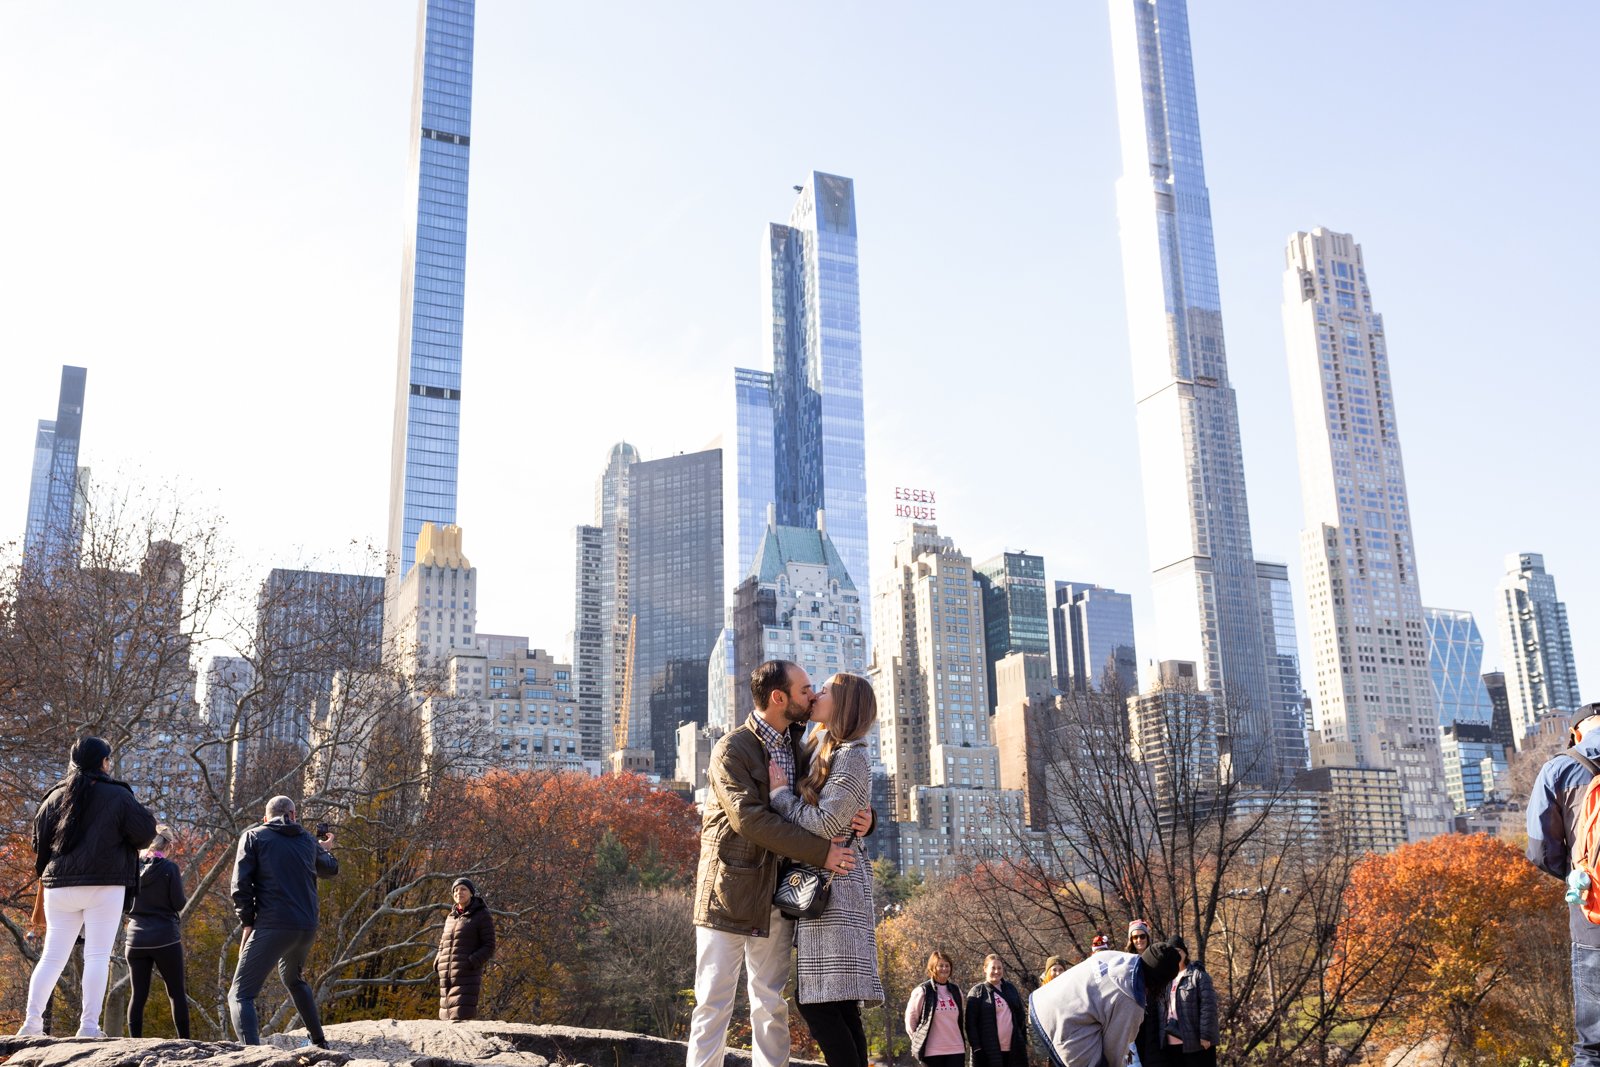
pixel 275 876
pixel 1553 810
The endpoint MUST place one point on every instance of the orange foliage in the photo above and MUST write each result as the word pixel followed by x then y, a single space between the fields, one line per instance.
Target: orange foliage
pixel 1447 934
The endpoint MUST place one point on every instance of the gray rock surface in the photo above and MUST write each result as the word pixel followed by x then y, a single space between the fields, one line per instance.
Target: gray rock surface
pixel 372 1043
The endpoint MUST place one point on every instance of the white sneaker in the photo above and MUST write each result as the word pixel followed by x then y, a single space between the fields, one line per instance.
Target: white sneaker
pixel 90 1031
pixel 31 1028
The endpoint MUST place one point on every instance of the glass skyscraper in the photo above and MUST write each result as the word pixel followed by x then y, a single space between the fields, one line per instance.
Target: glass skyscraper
pixel 55 508
pixel 1197 514
pixel 675 591
pixel 1455 656
pixel 1094 636
pixel 1375 689
pixel 754 467
pixel 427 414
pixel 1283 665
pixel 1016 612
pixel 806 451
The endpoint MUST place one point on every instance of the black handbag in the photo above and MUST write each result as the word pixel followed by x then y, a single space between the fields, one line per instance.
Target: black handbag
pixel 803 890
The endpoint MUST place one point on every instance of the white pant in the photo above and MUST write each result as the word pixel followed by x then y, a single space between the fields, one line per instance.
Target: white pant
pixel 97 911
pixel 717 955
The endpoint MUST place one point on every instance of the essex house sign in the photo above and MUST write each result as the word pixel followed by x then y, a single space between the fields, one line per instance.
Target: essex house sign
pixel 915 504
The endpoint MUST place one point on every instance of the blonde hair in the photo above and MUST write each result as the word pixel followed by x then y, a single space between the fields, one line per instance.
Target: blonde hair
pixel 855 709
pixel 934 959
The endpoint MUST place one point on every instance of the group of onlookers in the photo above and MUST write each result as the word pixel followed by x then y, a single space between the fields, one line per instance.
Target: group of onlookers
pixel 1144 1005
pixel 100 856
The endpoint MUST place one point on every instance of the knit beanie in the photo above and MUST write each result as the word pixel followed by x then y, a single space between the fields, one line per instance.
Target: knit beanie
pixel 1139 926
pixel 89 753
pixel 466 882
pixel 1160 964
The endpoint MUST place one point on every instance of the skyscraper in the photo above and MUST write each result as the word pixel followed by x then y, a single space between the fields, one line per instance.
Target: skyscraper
pixel 1016 613
pixel 587 632
pixel 1094 636
pixel 805 449
pixel 55 495
pixel 1374 682
pixel 1536 644
pixel 1197 514
pixel 674 591
pixel 1283 666
pixel 427 410
pixel 935 732
pixel 1455 656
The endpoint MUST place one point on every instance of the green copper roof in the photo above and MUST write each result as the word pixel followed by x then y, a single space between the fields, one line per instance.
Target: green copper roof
pixel 784 545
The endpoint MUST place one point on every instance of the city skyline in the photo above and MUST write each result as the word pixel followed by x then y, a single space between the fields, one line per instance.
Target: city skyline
pixel 165 410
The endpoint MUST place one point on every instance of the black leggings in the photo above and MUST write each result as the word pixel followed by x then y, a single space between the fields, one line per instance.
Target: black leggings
pixel 836 1026
pixel 168 959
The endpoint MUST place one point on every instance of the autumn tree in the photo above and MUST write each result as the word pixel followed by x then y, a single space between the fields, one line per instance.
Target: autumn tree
pixel 1485 934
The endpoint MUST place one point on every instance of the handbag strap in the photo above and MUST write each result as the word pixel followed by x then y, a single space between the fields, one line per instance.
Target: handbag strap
pixel 848 841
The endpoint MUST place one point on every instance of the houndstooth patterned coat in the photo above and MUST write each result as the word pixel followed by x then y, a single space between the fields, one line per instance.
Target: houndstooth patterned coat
pixel 838 950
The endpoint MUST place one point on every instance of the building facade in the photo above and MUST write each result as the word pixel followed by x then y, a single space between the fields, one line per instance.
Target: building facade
pixel 1455 655
pixel 1283 666
pixel 1535 643
pixel 587 633
pixel 58 484
pixel 934 726
pixel 805 451
pixel 520 704
pixel 602 614
pixel 798 603
pixel 1197 513
pixel 1016 611
pixel 674 595
pixel 427 411
pixel 1368 633
pixel 1094 639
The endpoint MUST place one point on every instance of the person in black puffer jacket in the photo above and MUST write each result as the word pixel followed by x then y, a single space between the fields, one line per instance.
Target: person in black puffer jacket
pixel 465 946
pixel 996 1019
pixel 87 835
pixel 153 937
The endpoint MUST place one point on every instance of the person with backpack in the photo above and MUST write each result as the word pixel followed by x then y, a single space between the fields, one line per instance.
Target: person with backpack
pixel 1564 841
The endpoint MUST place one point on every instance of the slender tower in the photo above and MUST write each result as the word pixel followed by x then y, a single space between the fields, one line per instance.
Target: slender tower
pixel 801 431
pixel 1369 636
pixel 427 409
pixel 55 495
pixel 1207 607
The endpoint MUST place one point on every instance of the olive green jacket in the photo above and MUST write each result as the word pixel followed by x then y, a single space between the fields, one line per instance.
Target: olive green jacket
pixel 742 840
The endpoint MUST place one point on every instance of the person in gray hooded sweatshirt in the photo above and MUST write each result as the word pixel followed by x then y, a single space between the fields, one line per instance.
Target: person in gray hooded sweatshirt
pixel 1089 1016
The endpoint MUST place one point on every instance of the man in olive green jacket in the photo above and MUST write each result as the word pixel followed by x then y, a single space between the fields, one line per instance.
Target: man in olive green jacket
pixel 742 843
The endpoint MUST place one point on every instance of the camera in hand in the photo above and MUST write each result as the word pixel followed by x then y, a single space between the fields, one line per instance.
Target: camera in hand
pixel 323 830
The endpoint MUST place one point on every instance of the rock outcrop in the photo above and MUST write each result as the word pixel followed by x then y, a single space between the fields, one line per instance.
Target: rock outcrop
pixel 371 1043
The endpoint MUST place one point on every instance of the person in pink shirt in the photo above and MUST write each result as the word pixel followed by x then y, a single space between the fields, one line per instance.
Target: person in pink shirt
pixel 935 1017
pixel 996 1019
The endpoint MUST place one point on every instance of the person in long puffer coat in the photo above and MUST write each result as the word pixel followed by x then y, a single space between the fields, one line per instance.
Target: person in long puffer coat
pixel 465 947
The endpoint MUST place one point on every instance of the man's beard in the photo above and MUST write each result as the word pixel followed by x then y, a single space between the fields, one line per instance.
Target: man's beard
pixel 795 713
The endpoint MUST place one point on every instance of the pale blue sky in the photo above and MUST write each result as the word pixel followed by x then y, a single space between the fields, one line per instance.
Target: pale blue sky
pixel 207 203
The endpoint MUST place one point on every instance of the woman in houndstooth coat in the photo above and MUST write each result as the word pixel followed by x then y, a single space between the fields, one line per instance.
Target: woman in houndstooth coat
pixel 838 952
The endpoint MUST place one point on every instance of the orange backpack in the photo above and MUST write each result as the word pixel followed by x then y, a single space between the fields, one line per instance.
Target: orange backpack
pixel 1586 841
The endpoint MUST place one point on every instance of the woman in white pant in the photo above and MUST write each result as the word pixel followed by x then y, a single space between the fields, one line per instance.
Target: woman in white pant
pixel 86 838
